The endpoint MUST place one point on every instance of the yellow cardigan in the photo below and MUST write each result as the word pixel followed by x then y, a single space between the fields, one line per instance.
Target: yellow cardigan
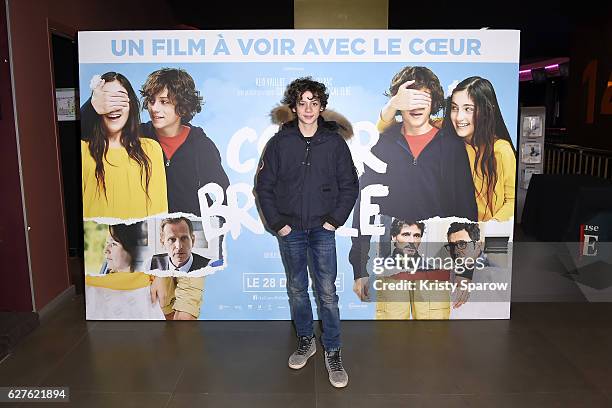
pixel 125 193
pixel 503 197
pixel 119 280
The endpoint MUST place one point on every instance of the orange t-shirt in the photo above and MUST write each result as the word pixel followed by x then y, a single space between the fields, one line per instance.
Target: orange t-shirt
pixel 171 144
pixel 418 143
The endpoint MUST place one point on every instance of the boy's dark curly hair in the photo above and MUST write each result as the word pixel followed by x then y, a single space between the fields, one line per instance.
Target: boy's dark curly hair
pixel 423 78
pixel 296 89
pixel 181 91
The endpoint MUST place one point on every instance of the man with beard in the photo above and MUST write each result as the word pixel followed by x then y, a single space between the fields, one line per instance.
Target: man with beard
pixel 394 304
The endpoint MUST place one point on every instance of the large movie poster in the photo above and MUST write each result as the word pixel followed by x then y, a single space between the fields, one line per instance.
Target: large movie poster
pixel 174 124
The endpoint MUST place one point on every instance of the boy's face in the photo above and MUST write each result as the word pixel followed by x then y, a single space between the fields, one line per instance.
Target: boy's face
pixel 308 109
pixel 163 112
pixel 417 118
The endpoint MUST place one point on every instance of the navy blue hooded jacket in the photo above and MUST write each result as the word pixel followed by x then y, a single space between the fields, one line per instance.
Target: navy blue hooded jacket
pixel 305 182
pixel 436 183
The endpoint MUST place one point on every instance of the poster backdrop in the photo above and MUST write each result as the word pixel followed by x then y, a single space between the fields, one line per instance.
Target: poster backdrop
pixel 218 261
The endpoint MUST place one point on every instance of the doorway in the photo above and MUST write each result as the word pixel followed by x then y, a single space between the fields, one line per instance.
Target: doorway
pixel 66 81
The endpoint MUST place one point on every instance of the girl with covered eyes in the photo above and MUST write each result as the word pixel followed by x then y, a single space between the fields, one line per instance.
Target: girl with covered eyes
pixel 123 175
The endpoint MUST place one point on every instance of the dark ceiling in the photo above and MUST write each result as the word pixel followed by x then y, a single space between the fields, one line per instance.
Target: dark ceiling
pixel 545 26
pixel 233 14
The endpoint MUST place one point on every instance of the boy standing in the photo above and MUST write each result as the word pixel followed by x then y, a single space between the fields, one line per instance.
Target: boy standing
pixel 307 186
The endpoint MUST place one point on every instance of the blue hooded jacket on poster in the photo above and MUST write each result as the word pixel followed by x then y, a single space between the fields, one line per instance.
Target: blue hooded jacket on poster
pixel 305 182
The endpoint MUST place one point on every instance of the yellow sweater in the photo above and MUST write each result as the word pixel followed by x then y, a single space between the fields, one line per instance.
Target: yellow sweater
pixel 125 192
pixel 119 280
pixel 503 197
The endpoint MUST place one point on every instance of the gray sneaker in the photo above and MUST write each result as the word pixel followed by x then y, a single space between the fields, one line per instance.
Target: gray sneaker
pixel 307 346
pixel 337 375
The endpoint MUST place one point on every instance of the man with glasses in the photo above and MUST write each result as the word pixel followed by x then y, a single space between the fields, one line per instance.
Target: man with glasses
pixel 466 249
pixel 491 281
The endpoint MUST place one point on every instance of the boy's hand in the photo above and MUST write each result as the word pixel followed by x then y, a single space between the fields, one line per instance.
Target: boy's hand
pixel 283 232
pixel 178 315
pixel 361 288
pixel 329 227
pixel 461 296
pixel 105 102
pixel 409 99
pixel 158 291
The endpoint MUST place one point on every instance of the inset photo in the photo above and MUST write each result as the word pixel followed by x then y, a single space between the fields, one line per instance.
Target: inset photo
pixel 179 246
pixel 116 286
pixel 531 153
pixel 532 126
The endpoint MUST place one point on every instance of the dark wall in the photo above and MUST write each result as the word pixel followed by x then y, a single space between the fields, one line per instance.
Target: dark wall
pixel 235 15
pixel 31 22
pixel 551 93
pixel 17 295
pixel 590 119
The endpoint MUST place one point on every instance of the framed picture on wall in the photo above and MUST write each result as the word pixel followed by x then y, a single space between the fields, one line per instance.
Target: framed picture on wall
pixel 527 174
pixel 532 126
pixel 531 153
pixel 66 102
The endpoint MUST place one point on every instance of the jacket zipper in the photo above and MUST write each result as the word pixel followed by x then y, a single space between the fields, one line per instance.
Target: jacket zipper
pixel 179 148
pixel 306 163
pixel 414 159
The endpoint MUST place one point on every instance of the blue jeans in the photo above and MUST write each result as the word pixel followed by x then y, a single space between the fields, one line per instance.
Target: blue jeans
pixel 320 245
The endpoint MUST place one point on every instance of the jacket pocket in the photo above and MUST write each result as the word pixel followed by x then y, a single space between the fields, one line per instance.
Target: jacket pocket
pixel 328 194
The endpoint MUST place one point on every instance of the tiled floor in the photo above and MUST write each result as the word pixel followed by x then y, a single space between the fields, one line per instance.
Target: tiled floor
pixel 548 355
